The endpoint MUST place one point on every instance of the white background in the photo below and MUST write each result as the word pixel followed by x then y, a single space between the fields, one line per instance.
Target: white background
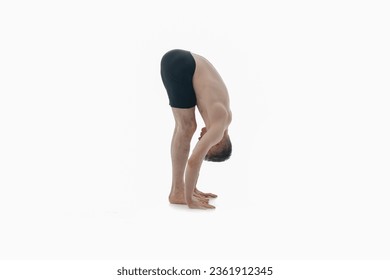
pixel 85 129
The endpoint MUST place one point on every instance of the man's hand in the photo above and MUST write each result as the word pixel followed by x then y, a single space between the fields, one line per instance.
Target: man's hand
pixel 205 195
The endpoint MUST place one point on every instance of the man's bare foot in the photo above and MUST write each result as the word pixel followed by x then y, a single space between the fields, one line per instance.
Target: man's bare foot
pixel 205 195
pixel 199 204
pixel 177 198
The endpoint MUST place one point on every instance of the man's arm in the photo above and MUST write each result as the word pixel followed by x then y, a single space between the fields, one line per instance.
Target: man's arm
pixel 212 137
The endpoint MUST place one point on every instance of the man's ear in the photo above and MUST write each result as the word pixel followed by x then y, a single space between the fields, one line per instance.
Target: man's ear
pixel 203 132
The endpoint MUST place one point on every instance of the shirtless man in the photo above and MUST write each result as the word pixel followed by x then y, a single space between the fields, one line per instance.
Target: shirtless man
pixel 191 80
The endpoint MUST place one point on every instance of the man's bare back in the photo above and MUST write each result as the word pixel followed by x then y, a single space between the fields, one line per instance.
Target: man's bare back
pixel 210 89
pixel 192 81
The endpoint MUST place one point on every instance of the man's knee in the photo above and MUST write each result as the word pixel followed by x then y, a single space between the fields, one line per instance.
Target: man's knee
pixel 186 129
pixel 185 121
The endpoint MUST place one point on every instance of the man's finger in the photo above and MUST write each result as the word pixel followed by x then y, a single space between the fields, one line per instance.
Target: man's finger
pixel 201 198
pixel 205 194
pixel 211 195
pixel 209 206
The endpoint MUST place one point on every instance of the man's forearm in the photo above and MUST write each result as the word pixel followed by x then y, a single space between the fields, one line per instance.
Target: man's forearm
pixel 191 177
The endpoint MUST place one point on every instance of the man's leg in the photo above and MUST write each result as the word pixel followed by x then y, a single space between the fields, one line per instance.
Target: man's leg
pixel 185 127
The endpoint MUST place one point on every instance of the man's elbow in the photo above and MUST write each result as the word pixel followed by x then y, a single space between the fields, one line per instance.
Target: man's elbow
pixel 194 162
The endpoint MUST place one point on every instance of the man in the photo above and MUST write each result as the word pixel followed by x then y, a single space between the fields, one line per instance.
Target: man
pixel 191 80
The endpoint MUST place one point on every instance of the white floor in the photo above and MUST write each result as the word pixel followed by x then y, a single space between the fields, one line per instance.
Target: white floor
pixel 85 129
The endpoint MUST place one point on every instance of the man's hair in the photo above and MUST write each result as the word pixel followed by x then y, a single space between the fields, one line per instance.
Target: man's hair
pixel 224 153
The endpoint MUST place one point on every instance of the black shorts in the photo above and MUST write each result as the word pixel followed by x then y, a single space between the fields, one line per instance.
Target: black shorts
pixel 177 70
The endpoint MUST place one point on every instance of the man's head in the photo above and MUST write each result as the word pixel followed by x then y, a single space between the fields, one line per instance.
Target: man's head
pixel 221 151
